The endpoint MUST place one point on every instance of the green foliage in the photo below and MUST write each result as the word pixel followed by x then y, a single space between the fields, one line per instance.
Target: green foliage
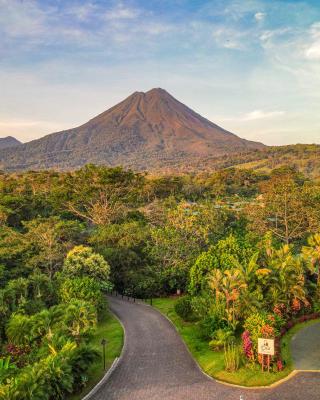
pixel 227 253
pixel 183 308
pixel 232 357
pixel 254 324
pixel 213 320
pixel 6 368
pixel 82 262
pixel 220 338
pixel 87 289
pixel 199 273
pixel 19 329
pixel 79 318
pixel 44 380
pixel 149 235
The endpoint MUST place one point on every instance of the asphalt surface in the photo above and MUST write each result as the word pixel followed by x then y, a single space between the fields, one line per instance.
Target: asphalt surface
pixel 155 365
pixel 305 347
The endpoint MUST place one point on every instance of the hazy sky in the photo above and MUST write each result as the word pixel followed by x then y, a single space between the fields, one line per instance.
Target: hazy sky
pixel 252 66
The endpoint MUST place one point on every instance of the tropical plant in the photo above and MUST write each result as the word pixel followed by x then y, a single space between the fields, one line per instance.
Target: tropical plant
pixel 184 309
pixel 81 262
pixel 221 337
pixel 232 357
pixel 79 318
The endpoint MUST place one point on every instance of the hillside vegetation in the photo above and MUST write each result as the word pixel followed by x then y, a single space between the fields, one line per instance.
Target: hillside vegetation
pixel 242 244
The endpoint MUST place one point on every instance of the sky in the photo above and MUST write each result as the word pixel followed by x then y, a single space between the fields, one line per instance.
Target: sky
pixel 250 66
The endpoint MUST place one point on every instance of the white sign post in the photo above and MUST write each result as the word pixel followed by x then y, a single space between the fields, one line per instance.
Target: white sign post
pixel 266 347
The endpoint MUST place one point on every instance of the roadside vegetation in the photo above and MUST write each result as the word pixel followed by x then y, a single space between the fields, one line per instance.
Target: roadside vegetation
pixel 108 328
pixel 212 362
pixel 241 246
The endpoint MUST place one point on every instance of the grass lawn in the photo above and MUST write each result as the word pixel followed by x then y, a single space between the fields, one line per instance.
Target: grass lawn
pixel 109 328
pixel 212 362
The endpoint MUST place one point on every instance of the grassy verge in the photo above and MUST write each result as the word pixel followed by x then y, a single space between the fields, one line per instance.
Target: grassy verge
pixel 109 328
pixel 212 362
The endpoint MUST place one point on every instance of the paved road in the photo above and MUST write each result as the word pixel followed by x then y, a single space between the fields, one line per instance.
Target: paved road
pixel 306 348
pixel 156 366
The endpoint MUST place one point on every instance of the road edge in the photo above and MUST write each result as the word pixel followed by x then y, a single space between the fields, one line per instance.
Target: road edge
pixel 114 365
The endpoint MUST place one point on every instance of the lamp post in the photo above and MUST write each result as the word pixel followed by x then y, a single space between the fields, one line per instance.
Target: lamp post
pixel 103 344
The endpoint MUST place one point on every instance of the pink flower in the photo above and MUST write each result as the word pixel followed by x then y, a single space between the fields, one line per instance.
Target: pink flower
pixel 247 345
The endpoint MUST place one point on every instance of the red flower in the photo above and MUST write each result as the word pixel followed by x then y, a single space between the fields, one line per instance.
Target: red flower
pixel 247 345
pixel 295 305
pixel 279 365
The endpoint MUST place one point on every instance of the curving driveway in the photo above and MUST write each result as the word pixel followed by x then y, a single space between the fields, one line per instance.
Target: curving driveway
pixel 305 348
pixel 155 365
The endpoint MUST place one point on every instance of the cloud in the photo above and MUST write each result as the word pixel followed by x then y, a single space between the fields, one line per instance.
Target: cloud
pixel 122 12
pixel 254 115
pixel 313 50
pixel 82 12
pixel 260 114
pixel 259 16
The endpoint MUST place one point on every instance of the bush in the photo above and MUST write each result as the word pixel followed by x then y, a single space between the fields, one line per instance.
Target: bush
pixel 211 324
pixel 87 289
pixel 201 305
pixel 183 308
pixel 221 338
pixel 81 261
pixel 254 324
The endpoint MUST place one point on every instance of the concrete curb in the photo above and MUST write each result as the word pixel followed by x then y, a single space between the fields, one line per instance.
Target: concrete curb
pixel 114 365
pixel 103 380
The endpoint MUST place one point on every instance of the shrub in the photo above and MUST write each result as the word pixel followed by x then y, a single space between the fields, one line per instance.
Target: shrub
pixel 200 305
pixel 214 320
pixel 81 261
pixel 183 308
pixel 80 362
pixel 253 325
pixel 221 337
pixel 87 289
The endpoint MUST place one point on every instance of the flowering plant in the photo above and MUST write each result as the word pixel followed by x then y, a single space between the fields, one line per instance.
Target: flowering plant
pixel 247 345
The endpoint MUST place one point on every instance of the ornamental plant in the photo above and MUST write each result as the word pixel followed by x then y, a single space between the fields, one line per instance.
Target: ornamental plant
pixel 267 331
pixel 247 345
pixel 295 306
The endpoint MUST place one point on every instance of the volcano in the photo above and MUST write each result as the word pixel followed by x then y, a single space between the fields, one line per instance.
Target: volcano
pixel 145 131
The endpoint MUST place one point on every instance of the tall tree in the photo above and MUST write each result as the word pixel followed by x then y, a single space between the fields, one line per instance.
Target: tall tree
pixel 285 208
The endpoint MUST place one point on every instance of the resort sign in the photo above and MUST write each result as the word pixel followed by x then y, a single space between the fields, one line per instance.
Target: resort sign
pixel 266 346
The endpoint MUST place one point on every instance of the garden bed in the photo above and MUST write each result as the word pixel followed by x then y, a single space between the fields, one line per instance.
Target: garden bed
pixel 212 362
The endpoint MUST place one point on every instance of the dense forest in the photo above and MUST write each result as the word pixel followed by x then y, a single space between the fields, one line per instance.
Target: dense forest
pixel 303 157
pixel 243 245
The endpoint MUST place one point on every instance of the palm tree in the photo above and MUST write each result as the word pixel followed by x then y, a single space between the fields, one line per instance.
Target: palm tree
pixel 228 285
pixel 19 329
pixel 42 324
pixel 80 316
pixel 287 281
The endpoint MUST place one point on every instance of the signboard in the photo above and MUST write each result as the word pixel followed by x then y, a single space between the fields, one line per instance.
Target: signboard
pixel 266 346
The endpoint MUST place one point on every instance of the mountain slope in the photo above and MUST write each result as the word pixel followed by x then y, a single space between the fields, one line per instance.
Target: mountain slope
pixel 144 131
pixel 8 141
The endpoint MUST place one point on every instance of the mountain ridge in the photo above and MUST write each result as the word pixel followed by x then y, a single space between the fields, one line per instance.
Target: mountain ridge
pixel 9 141
pixel 145 129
